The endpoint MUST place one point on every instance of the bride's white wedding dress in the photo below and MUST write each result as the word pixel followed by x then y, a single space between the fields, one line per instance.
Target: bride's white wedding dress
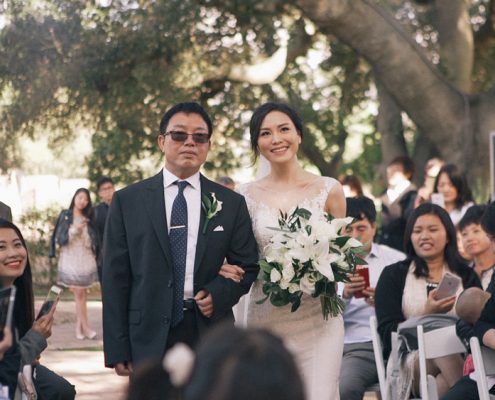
pixel 316 344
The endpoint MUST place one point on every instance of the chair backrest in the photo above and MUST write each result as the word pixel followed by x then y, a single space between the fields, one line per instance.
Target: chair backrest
pixel 378 352
pixel 433 344
pixel 484 364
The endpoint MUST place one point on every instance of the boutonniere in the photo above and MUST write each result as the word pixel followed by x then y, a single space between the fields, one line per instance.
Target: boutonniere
pixel 211 206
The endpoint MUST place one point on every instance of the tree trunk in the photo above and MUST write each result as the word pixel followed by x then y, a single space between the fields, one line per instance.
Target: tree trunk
pixel 456 124
pixel 456 41
pixel 389 124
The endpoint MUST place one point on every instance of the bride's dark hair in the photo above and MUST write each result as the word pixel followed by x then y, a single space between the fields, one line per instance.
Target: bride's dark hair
pixel 259 115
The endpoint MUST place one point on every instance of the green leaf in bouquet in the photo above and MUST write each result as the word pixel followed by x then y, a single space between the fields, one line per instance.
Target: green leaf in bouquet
pixel 360 261
pixel 341 240
pixel 261 301
pixel 267 267
pixel 308 229
pixel 280 299
pixel 268 288
pixel 296 302
pixel 303 213
pixel 331 306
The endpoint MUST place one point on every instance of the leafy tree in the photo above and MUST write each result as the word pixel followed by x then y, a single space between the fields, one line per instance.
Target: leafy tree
pixel 115 66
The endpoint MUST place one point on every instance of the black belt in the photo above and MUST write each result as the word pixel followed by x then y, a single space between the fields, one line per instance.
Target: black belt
pixel 189 305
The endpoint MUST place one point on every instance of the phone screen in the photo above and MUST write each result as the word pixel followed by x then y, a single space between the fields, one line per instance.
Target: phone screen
pixel 51 298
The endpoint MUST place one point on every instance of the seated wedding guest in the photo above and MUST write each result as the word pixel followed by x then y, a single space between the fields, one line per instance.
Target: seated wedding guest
pixel 163 379
pixel 351 185
pixel 485 326
pixel 469 307
pixel 432 168
pixel 358 370
pixel 226 181
pixel 15 269
pixel 476 244
pixel 397 201
pixel 5 211
pixel 408 288
pixel 452 184
pixel 233 363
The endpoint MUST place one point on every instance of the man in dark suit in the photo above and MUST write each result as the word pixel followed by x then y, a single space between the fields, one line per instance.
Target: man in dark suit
pixel 5 212
pixel 106 189
pixel 149 302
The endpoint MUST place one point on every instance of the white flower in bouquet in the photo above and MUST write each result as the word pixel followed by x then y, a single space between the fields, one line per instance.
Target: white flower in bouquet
pixel 275 275
pixel 308 284
pixel 308 255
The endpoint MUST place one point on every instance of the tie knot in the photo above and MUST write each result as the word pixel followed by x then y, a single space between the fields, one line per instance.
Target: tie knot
pixel 181 185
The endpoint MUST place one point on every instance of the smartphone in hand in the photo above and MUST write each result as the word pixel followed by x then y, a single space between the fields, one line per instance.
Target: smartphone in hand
pixel 448 286
pixel 51 298
pixel 7 299
pixel 362 271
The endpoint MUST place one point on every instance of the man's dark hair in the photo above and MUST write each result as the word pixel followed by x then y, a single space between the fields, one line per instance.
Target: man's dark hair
pixel 225 180
pixel 186 108
pixel 488 219
pixel 101 181
pixel 406 163
pixel 360 208
pixel 473 216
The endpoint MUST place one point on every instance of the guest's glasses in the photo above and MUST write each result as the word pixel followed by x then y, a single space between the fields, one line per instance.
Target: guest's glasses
pixel 180 136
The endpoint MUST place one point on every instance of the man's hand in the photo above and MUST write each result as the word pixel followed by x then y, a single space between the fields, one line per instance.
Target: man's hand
pixel 231 271
pixel 123 368
pixel 204 302
pixel 355 285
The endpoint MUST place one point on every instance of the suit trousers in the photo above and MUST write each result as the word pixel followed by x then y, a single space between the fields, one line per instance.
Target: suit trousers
pixel 358 370
pixel 185 332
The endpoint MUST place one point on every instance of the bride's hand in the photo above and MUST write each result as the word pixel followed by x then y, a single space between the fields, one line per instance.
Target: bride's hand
pixel 233 272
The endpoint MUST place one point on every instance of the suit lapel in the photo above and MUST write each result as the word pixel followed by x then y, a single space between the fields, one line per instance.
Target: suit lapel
pixel 155 204
pixel 202 238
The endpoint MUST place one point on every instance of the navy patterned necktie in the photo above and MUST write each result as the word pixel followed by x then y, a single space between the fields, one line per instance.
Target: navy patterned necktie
pixel 178 246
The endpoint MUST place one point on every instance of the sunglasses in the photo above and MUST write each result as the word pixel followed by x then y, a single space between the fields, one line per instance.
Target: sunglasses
pixel 179 136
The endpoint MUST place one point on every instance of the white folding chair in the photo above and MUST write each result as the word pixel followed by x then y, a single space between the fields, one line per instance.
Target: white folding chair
pixel 378 352
pixel 484 364
pixel 436 343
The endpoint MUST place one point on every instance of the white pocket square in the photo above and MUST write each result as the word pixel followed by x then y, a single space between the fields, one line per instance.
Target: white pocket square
pixel 219 228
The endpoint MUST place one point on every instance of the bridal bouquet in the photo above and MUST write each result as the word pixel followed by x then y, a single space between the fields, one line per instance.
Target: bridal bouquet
pixel 308 255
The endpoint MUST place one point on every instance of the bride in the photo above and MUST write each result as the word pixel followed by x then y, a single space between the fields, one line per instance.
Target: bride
pixel 276 133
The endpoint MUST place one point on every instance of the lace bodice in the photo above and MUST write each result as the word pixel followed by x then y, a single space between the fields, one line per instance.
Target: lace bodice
pixel 265 205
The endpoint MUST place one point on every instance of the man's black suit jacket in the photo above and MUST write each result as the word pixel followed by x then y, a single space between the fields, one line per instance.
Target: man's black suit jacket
pixel 138 274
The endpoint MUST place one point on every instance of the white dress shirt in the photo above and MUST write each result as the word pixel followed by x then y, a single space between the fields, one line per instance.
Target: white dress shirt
pixel 192 193
pixel 357 312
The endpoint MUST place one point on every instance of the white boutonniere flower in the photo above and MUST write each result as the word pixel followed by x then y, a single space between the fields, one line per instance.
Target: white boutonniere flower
pixel 211 207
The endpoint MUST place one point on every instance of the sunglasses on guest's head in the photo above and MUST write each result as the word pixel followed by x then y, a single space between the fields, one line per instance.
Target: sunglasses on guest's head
pixel 180 136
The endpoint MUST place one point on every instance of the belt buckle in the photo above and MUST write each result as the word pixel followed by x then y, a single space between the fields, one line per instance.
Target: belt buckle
pixel 188 305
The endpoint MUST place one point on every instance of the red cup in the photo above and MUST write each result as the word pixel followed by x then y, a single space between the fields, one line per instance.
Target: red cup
pixel 362 270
